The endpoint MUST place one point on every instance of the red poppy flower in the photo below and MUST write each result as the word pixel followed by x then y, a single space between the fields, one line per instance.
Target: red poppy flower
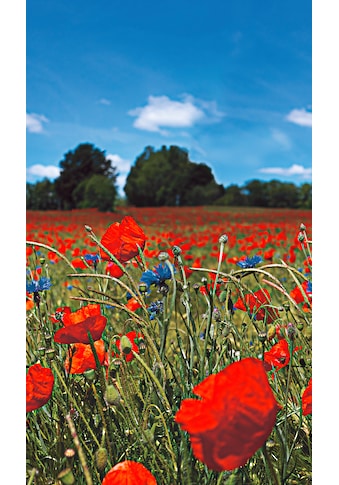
pixel 120 350
pixel 80 357
pixel 278 356
pixel 113 269
pixel 299 297
pixel 133 304
pixel 122 240
pixel 39 386
pixel 77 325
pixel 258 302
pixel 129 473
pixel 233 418
pixel 306 399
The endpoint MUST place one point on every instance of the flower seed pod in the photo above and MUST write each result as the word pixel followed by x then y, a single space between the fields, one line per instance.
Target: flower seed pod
pixel 101 458
pixel 112 396
pixel 125 344
pixel 66 477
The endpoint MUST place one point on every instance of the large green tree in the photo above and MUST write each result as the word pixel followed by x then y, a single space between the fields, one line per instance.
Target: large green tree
pixel 41 196
pixel 77 167
pixel 167 177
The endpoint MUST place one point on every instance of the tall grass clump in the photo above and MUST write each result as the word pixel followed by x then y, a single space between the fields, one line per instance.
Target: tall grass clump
pixel 157 371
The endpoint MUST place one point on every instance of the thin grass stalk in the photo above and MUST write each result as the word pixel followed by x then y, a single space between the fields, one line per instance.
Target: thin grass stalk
pixel 78 446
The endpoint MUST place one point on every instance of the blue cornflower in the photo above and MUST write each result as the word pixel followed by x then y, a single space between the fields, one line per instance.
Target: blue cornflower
pixel 309 288
pixel 92 258
pixel 249 262
pixel 155 308
pixel 156 277
pixel 35 286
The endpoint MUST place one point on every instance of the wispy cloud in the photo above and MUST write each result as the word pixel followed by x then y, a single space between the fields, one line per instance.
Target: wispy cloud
pixel 123 168
pixel 40 171
pixel 163 112
pixel 34 122
pixel 300 117
pixel 281 138
pixel 297 170
pixel 104 101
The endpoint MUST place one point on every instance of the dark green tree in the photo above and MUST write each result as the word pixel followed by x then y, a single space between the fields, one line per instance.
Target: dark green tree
pixel 233 196
pixel 281 194
pixel 77 166
pixel 305 196
pixel 255 192
pixel 167 177
pixel 96 191
pixel 41 196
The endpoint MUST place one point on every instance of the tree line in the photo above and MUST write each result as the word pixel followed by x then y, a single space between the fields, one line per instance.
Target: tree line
pixel 164 177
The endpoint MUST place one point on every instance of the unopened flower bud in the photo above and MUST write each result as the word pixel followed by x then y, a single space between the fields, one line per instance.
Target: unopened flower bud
pixel 142 287
pixel 291 331
pixel 42 351
pixel 42 260
pixel 176 250
pixel 125 344
pixel 112 395
pixel 271 332
pixel 300 325
pixel 69 453
pixel 223 239
pixel 142 346
pixel 162 256
pixel 101 458
pixel 66 477
pixel 302 227
pixel 262 336
pixel 301 237
pixel 88 228
pixel 50 353
pixel 90 374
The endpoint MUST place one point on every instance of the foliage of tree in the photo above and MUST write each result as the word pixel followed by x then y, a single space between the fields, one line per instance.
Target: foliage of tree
pixel 167 177
pixel 41 196
pixel 96 191
pixel 77 167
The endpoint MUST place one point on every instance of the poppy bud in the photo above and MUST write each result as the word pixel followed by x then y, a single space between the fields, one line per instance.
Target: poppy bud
pixel 176 250
pixel 142 346
pixel 223 239
pixel 66 476
pixel 301 237
pixel 101 458
pixel 271 332
pixel 50 353
pixel 90 374
pixel 42 351
pixel 42 260
pixel 112 396
pixel 88 228
pixel 302 227
pixel 300 325
pixel 125 344
pixel 291 331
pixel 262 336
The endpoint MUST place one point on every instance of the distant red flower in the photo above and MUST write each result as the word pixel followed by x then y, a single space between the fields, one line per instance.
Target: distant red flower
pixel 133 304
pixel 79 263
pixel 129 473
pixel 132 345
pixel 80 357
pixel 122 240
pixel 39 386
pixel 233 418
pixel 306 399
pixel 258 303
pixel 278 356
pixel 77 324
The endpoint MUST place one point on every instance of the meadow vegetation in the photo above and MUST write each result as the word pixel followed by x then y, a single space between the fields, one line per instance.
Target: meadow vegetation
pixel 169 346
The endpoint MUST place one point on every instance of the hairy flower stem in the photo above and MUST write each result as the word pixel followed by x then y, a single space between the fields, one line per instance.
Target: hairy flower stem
pixel 155 381
pixel 106 434
pixel 285 450
pixel 74 403
pixel 221 252
pixel 78 446
pixel 97 362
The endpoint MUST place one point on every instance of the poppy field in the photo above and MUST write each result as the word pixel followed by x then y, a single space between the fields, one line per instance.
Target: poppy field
pixel 169 346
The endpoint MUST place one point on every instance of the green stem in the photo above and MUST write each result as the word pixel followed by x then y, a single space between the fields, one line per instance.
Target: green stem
pixel 81 454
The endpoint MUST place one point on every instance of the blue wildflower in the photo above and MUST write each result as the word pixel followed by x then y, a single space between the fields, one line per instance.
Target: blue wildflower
pixel 309 288
pixel 156 277
pixel 249 262
pixel 155 308
pixel 35 286
pixel 92 258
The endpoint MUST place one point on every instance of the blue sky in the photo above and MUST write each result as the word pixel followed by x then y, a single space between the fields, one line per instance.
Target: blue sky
pixel 229 81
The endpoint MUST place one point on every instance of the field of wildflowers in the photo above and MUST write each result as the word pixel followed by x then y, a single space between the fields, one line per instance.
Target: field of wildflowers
pixel 169 346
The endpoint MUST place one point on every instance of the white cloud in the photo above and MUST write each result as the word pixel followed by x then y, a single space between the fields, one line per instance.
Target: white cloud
pixel 34 122
pixel 300 117
pixel 161 111
pixel 297 170
pixel 123 168
pixel 49 171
